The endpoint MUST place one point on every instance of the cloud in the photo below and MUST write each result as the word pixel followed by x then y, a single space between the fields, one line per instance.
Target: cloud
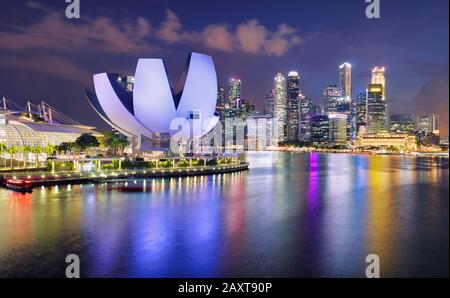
pixel 218 37
pixel 48 64
pixel 99 34
pixel 172 31
pixel 249 37
pixel 103 34
pixel 37 6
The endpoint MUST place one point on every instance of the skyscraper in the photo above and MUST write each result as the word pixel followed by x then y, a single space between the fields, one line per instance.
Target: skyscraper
pixel 306 112
pixel 293 92
pixel 345 80
pixel 378 78
pixel 319 129
pixel 331 94
pixel 361 111
pixel 221 98
pixel 280 107
pixel 234 92
pixel 269 103
pixel 376 109
pixel 429 124
pixel 337 128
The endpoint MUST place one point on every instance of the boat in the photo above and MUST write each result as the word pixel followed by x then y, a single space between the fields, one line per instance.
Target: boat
pixel 131 188
pixel 19 185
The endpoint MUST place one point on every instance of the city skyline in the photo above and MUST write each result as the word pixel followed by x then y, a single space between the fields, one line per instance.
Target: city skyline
pixel 419 79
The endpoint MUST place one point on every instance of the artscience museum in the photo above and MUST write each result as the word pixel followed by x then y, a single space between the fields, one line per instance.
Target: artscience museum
pixel 154 110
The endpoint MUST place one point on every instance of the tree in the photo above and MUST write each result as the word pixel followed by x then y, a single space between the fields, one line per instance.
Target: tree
pixel 86 141
pixel 50 149
pixel 3 149
pixel 114 140
pixel 36 150
pixel 25 150
pixel 11 151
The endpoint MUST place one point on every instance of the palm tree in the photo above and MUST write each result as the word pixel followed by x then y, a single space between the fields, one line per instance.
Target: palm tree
pixel 25 150
pixel 49 149
pixel 36 150
pixel 11 151
pixel 3 149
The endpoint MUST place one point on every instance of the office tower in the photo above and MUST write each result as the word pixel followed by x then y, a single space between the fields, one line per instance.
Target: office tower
pixel 269 103
pixel 319 129
pixel 435 124
pixel 293 92
pixel 306 112
pixel 378 78
pixel 221 97
pixel 234 92
pixel 331 94
pixel 345 80
pixel 402 123
pixel 280 107
pixel 429 124
pixel 376 109
pixel 361 111
pixel 318 110
pixel 337 128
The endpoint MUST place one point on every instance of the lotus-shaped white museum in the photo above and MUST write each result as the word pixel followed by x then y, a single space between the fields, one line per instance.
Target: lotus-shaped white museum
pixel 153 111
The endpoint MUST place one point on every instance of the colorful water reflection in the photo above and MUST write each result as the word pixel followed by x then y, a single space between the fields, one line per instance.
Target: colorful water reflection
pixel 290 215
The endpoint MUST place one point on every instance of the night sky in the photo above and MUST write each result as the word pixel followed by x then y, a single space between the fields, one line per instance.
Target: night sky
pixel 45 56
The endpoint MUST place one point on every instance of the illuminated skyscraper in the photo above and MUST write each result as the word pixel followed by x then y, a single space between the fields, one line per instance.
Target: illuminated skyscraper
pixel 376 109
pixel 319 129
pixel 429 124
pixel 378 78
pixel 280 107
pixel 337 128
pixel 293 92
pixel 306 112
pixel 345 80
pixel 331 94
pixel 221 98
pixel 234 92
pixel 269 103
pixel 361 111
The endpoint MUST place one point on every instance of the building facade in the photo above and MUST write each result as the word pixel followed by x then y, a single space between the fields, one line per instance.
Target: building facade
pixel 401 123
pixel 269 103
pixel 234 92
pixel 293 93
pixel 345 80
pixel 376 109
pixel 402 142
pixel 428 124
pixel 280 107
pixel 331 95
pixel 361 111
pixel 319 129
pixel 337 128
pixel 306 112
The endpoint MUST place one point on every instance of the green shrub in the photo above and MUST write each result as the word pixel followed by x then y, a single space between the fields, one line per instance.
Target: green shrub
pixel 183 163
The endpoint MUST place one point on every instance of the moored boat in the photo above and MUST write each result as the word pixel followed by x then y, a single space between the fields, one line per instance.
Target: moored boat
pixel 19 185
